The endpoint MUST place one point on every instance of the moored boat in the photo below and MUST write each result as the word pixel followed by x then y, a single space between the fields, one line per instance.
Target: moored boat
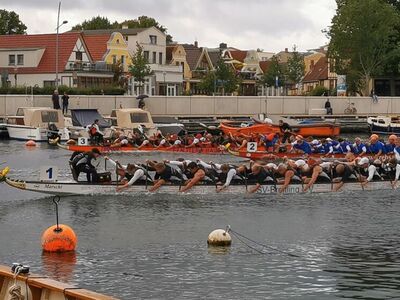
pixel 323 129
pixel 37 123
pixel 384 125
pixel 63 188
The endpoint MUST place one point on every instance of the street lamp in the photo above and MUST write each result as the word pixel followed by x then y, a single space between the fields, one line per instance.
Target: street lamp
pixel 57 29
pixel 165 86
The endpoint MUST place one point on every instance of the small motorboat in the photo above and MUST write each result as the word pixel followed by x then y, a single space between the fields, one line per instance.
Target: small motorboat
pixel 37 124
pixel 384 124
pixel 314 129
pixel 81 118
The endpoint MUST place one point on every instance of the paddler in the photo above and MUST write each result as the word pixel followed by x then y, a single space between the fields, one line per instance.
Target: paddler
pixel 135 173
pixel 164 174
pixel 260 175
pixel 367 171
pixel 301 146
pixel 376 147
pixel 359 147
pixel 230 173
pixel 198 174
pixel 389 147
pixel 82 162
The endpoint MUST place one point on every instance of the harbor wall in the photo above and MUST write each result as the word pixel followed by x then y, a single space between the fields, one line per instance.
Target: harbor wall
pixel 210 106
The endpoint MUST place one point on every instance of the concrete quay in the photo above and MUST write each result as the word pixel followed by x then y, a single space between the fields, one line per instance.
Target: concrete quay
pixel 210 106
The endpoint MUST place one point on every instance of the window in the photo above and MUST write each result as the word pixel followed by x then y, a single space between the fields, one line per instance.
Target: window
pixel 20 59
pixel 153 39
pixel 78 55
pixel 183 67
pixel 146 55
pixel 123 60
pixel 11 60
pixel 49 116
pixel 114 59
pixel 49 83
pixel 160 58
pixel 154 57
pixel 139 118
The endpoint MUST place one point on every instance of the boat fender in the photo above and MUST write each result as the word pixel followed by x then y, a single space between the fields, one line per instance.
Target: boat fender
pixel 219 237
pixel 59 238
pixel 30 143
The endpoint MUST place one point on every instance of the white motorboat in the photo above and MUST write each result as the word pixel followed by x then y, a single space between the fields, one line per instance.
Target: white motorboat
pixel 36 123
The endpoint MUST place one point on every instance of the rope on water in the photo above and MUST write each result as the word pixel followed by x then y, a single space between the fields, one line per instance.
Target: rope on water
pixel 242 237
pixel 15 290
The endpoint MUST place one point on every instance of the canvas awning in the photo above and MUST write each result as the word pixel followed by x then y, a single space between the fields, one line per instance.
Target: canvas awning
pixel 85 117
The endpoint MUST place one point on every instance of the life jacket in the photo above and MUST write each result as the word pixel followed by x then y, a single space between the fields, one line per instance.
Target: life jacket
pixel 92 130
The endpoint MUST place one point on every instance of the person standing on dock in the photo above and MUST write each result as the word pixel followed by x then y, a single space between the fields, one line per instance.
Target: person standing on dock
pixel 56 100
pixel 65 102
pixel 328 107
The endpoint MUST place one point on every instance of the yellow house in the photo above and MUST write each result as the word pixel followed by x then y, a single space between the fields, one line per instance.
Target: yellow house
pixel 108 48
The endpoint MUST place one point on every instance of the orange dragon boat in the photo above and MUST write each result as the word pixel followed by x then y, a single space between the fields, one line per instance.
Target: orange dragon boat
pixel 314 129
pixel 107 149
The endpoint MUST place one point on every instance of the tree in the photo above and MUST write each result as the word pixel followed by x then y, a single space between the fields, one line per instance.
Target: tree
pixel 96 23
pixel 140 68
pixel 10 23
pixel 274 70
pixel 146 22
pixel 222 78
pixel 363 40
pixel 295 67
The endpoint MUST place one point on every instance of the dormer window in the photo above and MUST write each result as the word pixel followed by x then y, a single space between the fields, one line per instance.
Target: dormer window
pixel 153 39
pixel 117 41
pixel 78 55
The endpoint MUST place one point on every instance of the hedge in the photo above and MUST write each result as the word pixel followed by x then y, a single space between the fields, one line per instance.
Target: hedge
pixel 21 90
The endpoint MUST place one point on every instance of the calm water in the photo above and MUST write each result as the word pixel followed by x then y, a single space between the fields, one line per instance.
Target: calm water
pixel 154 247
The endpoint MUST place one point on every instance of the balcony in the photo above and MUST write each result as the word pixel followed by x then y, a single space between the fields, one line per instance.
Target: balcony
pixel 99 67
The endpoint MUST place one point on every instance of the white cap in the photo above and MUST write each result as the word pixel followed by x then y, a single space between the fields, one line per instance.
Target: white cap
pixel 300 163
pixel 272 166
pixel 329 139
pixel 363 161
pixel 315 142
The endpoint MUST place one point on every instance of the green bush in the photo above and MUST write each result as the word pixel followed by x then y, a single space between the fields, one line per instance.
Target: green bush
pixel 319 90
pixel 21 90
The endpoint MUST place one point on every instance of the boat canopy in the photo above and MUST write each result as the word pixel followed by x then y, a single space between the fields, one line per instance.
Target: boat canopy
pixel 39 116
pixel 85 117
pixel 132 118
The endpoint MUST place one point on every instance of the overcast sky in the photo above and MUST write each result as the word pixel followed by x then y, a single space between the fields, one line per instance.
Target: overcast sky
pixel 271 25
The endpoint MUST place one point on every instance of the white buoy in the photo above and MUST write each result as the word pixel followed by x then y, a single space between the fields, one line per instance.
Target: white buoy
pixel 219 237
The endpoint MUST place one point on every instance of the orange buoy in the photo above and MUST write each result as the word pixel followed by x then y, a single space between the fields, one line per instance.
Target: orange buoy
pixel 30 143
pixel 59 239
pixel 71 142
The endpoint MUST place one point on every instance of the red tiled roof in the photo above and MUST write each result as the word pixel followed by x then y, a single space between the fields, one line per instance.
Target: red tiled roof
pixel 318 72
pixel 47 64
pixel 238 55
pixel 264 65
pixel 96 45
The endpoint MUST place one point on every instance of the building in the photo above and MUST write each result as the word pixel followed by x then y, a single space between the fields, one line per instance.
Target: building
pixel 166 79
pixel 30 60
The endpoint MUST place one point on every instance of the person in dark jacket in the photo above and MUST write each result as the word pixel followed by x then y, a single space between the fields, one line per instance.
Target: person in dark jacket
pixel 65 102
pixel 56 100
pixel 82 162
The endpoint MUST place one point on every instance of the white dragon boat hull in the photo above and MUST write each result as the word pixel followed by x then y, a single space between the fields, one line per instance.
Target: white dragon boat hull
pixel 82 188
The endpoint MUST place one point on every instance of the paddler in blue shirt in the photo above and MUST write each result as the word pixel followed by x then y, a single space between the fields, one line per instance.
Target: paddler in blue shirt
pixel 300 145
pixel 389 147
pixel 359 147
pixel 343 146
pixel 376 147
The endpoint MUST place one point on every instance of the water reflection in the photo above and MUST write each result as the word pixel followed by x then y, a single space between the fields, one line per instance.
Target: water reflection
pixel 59 266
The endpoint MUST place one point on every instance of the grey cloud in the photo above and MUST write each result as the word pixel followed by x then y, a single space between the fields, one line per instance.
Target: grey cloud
pixel 267 24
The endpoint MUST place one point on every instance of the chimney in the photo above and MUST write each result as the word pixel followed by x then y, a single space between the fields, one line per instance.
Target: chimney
pixel 223 46
pixel 124 26
pixel 286 50
pixel 196 44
